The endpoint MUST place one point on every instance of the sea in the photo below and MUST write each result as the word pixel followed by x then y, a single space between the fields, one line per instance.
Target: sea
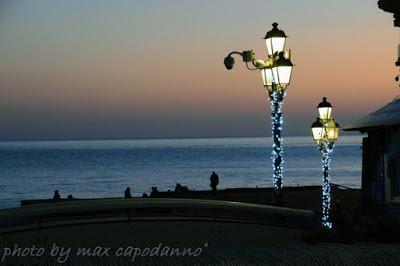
pixel 104 168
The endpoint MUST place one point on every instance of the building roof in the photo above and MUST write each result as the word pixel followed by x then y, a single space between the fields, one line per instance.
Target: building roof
pixel 392 6
pixel 387 116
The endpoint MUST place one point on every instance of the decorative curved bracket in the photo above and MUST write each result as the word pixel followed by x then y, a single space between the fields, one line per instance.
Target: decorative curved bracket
pixel 248 56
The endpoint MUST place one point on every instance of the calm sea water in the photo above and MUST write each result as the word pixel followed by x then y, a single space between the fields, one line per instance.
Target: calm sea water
pixel 104 168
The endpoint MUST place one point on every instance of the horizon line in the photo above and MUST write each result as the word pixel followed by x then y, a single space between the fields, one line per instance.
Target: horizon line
pixel 346 134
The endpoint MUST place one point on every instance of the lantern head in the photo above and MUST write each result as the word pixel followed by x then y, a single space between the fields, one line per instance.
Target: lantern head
pixel 282 70
pixel 332 130
pixel 318 131
pixel 275 40
pixel 325 109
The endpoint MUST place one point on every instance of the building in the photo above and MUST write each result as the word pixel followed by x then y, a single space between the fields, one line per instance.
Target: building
pixel 381 158
pixel 381 149
pixel 391 6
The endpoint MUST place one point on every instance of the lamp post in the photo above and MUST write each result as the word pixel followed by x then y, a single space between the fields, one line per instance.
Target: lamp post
pixel 325 132
pixel 276 72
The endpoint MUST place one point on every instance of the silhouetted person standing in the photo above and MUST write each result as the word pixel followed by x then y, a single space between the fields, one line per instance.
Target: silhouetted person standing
pixel 56 195
pixel 214 180
pixel 128 193
pixel 154 191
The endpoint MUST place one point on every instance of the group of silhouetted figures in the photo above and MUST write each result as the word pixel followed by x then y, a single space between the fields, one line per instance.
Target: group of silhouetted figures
pixel 214 181
pixel 57 196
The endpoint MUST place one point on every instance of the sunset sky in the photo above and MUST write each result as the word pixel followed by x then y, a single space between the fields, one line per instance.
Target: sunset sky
pixel 154 68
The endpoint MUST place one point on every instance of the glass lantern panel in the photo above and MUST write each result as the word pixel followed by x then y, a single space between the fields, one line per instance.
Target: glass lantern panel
pixel 325 112
pixel 275 44
pixel 337 130
pixel 332 130
pixel 282 74
pixel 318 133
pixel 267 76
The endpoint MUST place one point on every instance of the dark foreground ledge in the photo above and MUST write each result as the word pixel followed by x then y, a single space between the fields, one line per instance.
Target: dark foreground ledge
pixel 131 209
pixel 150 222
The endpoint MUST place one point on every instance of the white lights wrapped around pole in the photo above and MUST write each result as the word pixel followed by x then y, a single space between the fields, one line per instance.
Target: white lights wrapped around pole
pixel 276 98
pixel 276 77
pixel 325 132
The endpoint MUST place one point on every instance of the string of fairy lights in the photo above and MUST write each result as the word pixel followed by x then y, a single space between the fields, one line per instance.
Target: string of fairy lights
pixel 276 98
pixel 325 132
pixel 326 188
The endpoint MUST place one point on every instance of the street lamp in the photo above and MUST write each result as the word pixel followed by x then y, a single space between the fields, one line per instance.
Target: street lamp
pixel 276 71
pixel 325 132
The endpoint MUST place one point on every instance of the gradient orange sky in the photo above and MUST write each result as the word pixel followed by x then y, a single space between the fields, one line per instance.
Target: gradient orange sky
pixel 153 69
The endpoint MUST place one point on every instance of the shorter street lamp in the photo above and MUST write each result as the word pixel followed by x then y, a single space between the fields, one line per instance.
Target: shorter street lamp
pixel 325 132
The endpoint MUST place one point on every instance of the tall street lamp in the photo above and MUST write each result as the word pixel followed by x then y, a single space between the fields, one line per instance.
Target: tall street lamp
pixel 276 72
pixel 325 132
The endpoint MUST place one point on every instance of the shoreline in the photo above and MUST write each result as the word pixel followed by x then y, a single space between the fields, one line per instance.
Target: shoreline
pixel 299 197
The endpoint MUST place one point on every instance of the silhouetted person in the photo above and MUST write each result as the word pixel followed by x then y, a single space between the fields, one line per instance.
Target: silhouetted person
pixel 154 191
pixel 56 195
pixel 178 187
pixel 214 180
pixel 128 193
